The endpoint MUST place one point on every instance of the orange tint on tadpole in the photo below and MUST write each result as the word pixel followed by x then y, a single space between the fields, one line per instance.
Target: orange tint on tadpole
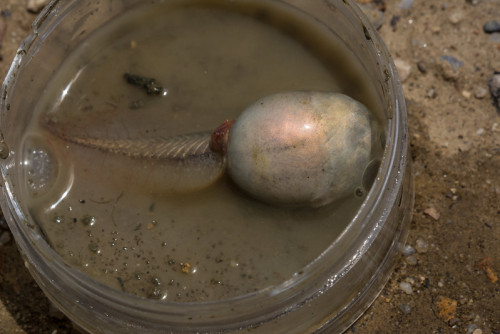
pixel 220 136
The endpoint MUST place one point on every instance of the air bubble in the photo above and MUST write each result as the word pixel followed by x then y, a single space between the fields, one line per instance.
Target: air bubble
pixel 42 171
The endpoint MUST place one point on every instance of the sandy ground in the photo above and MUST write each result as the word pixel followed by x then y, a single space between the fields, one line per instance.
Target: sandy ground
pixel 447 281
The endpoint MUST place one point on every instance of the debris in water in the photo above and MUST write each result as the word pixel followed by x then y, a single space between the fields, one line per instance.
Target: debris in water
pixel 149 84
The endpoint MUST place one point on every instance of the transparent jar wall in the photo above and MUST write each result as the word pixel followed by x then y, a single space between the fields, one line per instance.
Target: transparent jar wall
pixel 338 287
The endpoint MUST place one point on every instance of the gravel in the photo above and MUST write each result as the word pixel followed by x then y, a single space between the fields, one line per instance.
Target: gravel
pixel 432 212
pixel 404 69
pixel 456 17
pixel 36 6
pixel 480 93
pixel 3 223
pixel 495 37
pixel 422 66
pixel 406 287
pixel 411 260
pixel 421 246
pixel 431 93
pixel 405 4
pixel 491 27
pixel 494 85
pixel 470 328
pixel 408 250
pixel 405 308
pixel 5 238
pixel 450 67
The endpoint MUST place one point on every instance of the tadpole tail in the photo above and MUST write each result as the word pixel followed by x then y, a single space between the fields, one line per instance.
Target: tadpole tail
pixel 182 162
pixel 176 148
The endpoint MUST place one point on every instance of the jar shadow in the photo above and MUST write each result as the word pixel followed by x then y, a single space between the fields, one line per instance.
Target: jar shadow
pixel 21 297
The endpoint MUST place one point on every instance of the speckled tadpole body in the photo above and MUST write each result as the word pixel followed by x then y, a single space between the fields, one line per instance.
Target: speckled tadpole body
pixel 300 148
pixel 291 148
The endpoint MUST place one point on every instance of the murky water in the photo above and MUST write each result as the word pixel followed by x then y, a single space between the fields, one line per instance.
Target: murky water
pixel 113 216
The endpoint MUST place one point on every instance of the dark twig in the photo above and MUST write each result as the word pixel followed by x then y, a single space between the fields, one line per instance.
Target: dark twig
pixel 149 84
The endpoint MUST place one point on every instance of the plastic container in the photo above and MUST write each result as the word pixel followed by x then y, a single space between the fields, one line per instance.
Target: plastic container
pixel 332 292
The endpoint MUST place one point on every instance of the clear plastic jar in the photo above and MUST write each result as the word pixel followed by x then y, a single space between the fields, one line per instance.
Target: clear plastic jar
pixel 332 291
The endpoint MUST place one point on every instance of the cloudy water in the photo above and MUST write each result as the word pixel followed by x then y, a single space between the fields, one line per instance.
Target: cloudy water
pixel 131 220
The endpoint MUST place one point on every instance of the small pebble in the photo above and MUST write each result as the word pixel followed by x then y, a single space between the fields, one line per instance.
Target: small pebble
pixel 404 69
pixel 406 287
pixel 473 2
pixel 422 66
pixel 480 132
pixel 456 17
pixel 410 280
pixel 54 312
pixel 3 223
pixel 6 13
pixel 4 238
pixel 470 328
pixel 36 6
pixel 431 93
pixel 405 308
pixel 447 308
pixel 491 27
pixel 494 85
pixel 394 22
pixel 450 67
pixel 421 246
pixel 405 4
pixel 408 250
pixel 495 37
pixel 411 260
pixel 432 212
pixel 478 331
pixel 480 93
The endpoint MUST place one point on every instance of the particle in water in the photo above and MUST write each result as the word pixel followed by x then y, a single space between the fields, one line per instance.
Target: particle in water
pixel 58 219
pixel 94 247
pixel 186 267
pixel 88 220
